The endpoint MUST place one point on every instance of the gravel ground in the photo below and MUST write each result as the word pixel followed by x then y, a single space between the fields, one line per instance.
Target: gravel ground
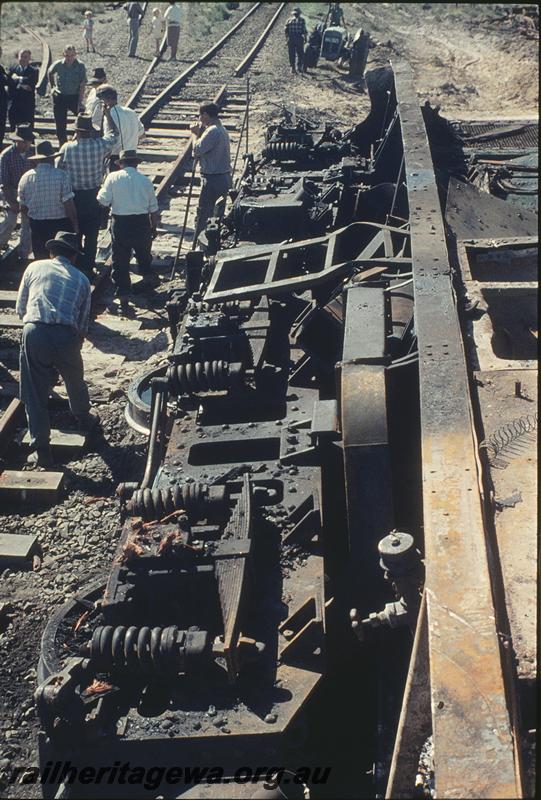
pixel 471 59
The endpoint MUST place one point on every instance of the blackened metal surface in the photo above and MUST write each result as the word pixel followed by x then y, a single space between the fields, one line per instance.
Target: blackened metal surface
pixel 473 745
pixel 498 135
pixel 472 214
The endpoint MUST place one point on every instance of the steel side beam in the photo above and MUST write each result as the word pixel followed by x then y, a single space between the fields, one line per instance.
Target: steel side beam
pixel 473 742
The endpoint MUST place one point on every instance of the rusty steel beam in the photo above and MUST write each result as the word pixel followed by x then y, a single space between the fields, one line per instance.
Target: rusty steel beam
pixel 473 741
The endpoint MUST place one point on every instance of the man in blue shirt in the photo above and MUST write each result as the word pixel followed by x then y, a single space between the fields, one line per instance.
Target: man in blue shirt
pixel 54 304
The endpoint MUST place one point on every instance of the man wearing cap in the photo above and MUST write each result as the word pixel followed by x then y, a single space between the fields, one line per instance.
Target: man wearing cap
pixel 134 207
pixel 83 159
pixel 295 36
pixel 13 164
pixel 46 196
pixel 129 126
pixel 211 146
pixel 54 304
pixel 67 77
pixel 22 90
pixel 93 105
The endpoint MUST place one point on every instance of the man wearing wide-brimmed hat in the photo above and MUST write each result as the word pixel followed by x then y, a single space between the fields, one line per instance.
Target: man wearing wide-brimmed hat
pixel 134 207
pixel 54 304
pixel 46 196
pixel 13 164
pixel 93 105
pixel 83 159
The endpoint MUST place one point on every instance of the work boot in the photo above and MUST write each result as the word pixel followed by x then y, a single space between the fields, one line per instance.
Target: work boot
pixel 125 308
pixel 150 281
pixel 88 422
pixel 41 457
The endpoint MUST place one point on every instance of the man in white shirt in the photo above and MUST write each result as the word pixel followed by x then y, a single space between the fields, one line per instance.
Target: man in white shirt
pixel 93 105
pixel 134 207
pixel 172 17
pixel 129 126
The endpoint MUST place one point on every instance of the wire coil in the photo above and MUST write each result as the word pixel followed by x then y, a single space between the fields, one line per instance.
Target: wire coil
pixel 501 440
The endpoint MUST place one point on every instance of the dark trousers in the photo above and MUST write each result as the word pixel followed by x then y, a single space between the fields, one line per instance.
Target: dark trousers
pixel 46 349
pixel 22 111
pixel 131 232
pixel 44 229
pixel 62 103
pixel 89 216
pixel 295 47
pixel 213 187
pixel 3 115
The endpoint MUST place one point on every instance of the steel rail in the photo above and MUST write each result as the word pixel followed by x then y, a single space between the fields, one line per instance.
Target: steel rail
pixel 158 102
pixel 246 62
pixel 46 57
pixel 473 741
pixel 181 163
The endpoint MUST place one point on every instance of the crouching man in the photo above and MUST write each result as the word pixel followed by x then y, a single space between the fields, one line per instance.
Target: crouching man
pixel 54 304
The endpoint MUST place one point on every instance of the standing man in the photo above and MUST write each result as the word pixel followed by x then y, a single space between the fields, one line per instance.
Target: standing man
pixel 67 77
pixel 13 164
pixel 210 142
pixel 134 207
pixel 172 17
pixel 83 160
pixel 4 84
pixel 22 90
pixel 54 304
pixel 93 105
pixel 46 196
pixel 336 15
pixel 295 36
pixel 127 123
pixel 134 13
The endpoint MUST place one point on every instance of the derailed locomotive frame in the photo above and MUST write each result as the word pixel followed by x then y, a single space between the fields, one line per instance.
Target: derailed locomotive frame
pixel 278 469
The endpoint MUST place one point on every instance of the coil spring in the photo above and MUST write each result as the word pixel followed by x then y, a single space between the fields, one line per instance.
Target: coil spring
pixel 148 650
pixel 157 503
pixel 202 307
pixel 502 439
pixel 282 149
pixel 202 376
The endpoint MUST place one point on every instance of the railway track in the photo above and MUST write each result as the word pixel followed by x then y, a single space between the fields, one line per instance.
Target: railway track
pixel 166 147
pixel 167 113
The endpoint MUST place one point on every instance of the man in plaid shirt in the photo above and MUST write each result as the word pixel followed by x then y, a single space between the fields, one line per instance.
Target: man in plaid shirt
pixel 13 164
pixel 46 196
pixel 83 159
pixel 54 304
pixel 295 35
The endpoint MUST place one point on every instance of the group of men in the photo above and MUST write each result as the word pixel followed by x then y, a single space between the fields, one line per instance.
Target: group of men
pixel 171 19
pixel 61 207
